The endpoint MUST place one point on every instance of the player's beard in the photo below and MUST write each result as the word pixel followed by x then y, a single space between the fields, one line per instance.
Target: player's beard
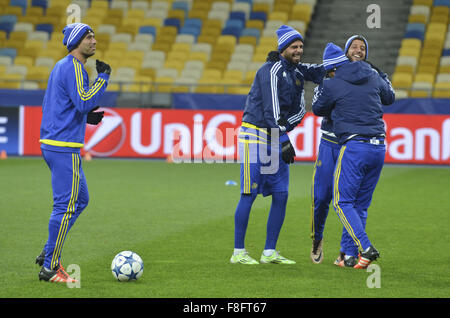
pixel 88 53
pixel 294 58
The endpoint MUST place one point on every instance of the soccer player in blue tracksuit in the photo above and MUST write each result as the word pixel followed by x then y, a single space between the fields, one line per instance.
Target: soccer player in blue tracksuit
pixel 354 99
pixel 69 104
pixel 356 49
pixel 274 106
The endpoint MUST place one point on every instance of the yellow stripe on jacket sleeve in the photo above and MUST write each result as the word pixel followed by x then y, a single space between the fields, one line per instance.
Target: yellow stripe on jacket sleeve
pixel 80 83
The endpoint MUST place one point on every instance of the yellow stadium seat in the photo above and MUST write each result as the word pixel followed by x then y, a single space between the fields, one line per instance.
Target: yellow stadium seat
pixel 259 56
pixel 101 4
pixel 249 76
pixel 181 47
pixel 278 16
pixel 444 69
pixel 227 40
pixel 439 18
pixel 238 90
pixel 404 69
pixel 247 39
pixel 175 64
pixel 38 73
pixel 411 43
pixel 233 74
pixel 402 80
pixel 255 24
pixel 417 18
pixel 429 61
pixel 424 77
pixel 162 46
pixel 204 38
pixel 177 13
pixel 18 36
pixel 269 41
pixel 24 60
pixel 431 69
pixel 219 65
pixel 262 7
pixel 199 56
pixel 427 3
pixel 13 10
pixel 138 14
pixel 164 84
pixel 212 74
pixel 302 11
pixel 441 90
pixel 113 55
pixel 409 51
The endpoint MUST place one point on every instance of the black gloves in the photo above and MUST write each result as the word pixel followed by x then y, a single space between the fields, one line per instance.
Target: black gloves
pixel 102 67
pixel 287 152
pixel 283 122
pixel 94 118
pixel 273 56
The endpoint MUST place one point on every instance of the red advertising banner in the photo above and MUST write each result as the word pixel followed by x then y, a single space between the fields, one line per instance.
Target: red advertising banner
pixel 212 135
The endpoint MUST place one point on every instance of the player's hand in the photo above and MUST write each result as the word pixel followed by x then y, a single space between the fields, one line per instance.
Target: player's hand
pixel 93 117
pixel 102 67
pixel 287 152
pixel 283 122
pixel 273 56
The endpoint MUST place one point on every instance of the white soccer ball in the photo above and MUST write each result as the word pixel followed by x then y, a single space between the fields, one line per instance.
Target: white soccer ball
pixel 127 266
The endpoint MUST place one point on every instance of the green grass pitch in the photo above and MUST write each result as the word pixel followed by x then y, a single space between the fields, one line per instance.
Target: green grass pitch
pixel 180 219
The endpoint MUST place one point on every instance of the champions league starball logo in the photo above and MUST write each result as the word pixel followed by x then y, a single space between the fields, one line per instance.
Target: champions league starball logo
pixel 106 138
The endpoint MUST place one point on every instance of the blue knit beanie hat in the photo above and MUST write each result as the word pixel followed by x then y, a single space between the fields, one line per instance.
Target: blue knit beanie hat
pixel 74 33
pixel 287 35
pixel 357 37
pixel 333 56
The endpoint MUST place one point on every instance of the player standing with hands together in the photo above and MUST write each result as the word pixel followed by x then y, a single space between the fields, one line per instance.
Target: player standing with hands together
pixel 69 104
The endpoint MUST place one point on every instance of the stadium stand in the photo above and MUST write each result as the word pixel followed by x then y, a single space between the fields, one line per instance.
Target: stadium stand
pixel 216 46
pixel 176 45
pixel 422 68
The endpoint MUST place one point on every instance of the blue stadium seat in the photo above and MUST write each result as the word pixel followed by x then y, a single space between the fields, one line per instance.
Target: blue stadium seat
pixel 195 31
pixel 415 27
pixel 236 32
pixel 237 15
pixel 446 52
pixel 181 5
pixel 251 32
pixel 149 29
pixel 19 3
pixel 258 15
pixel 232 23
pixel 8 52
pixel 7 27
pixel 173 22
pixel 39 3
pixel 193 22
pixel 414 35
pixel 445 3
pixel 45 27
pixel 8 18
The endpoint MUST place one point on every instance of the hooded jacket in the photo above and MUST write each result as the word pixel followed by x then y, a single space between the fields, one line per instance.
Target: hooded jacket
pixel 277 92
pixel 354 99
